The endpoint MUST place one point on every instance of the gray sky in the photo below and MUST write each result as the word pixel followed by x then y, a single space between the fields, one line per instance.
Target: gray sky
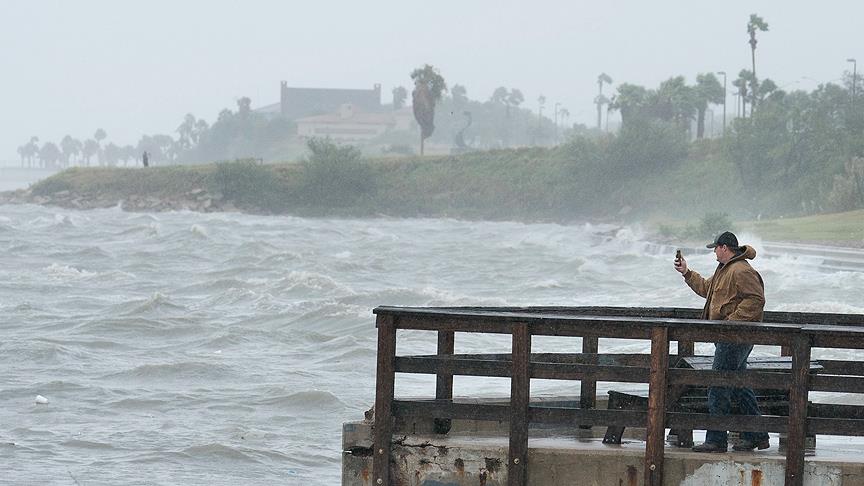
pixel 135 67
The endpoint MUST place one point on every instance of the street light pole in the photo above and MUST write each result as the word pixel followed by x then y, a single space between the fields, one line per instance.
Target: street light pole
pixel 854 78
pixel 557 104
pixel 723 73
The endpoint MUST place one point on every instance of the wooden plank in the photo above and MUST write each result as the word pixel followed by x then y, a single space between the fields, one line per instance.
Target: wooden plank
pixel 593 326
pixel 520 393
pixel 588 386
pixel 622 374
pixel 703 421
pixel 576 325
pixel 745 334
pixel 798 411
pixel 620 418
pixel 835 426
pixel 781 363
pixel 839 367
pixel 810 318
pixel 835 411
pixel 445 323
pixel 836 337
pixel 444 379
pixel 610 359
pixel 557 415
pixel 451 410
pixel 656 406
pixel 452 366
pixel 735 379
pixel 385 381
pixel 686 349
pixel 548 371
pixel 847 384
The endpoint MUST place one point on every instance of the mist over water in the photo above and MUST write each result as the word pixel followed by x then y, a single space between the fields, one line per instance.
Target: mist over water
pixel 190 348
pixel 12 178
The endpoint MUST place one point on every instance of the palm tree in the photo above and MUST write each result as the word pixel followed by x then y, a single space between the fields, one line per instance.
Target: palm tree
pixel 600 100
pixel 91 148
pixel 513 99
pixel 186 131
pixel 499 96
pixel 745 79
pixel 400 94
pixel 674 101
pixel 756 23
pixel 201 128
pixel 429 86
pixel 33 149
pixel 112 154
pixel 708 90
pixel 70 148
pixel 541 102
pixel 459 95
pixel 49 154
pixel 22 152
pixel 99 136
pixel 564 113
pixel 630 100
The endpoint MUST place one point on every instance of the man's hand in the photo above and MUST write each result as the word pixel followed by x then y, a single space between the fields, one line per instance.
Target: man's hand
pixel 681 266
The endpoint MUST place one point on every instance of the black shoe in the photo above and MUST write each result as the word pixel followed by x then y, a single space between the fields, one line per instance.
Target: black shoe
pixel 749 445
pixel 709 447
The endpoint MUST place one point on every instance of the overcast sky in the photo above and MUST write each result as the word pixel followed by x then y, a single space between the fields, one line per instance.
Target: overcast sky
pixel 135 67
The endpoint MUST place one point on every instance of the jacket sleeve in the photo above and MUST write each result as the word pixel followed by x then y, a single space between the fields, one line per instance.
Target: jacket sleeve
pixel 697 283
pixel 750 288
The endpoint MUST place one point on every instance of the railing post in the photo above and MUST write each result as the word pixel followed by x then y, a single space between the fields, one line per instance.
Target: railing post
pixel 656 406
pixel 683 437
pixel 520 392
pixel 588 387
pixel 385 381
pixel 444 381
pixel 798 395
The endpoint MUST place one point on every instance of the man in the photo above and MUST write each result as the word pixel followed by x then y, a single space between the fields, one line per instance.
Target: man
pixel 734 293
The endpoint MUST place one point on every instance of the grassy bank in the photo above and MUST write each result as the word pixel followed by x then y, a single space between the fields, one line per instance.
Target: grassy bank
pixel 570 183
pixel 839 228
pixel 527 184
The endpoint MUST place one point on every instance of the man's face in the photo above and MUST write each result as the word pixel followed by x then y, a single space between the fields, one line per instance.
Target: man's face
pixel 723 253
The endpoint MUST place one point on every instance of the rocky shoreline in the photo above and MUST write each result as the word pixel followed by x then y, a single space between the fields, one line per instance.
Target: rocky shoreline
pixel 201 200
pixel 197 199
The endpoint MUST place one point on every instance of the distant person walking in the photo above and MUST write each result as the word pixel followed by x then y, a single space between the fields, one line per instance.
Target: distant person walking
pixel 734 293
pixel 145 159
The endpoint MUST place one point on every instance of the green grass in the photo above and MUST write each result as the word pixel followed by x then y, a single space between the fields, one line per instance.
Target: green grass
pixel 516 185
pixel 841 228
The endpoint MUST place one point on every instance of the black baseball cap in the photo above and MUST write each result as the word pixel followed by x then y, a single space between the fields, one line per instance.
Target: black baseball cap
pixel 726 238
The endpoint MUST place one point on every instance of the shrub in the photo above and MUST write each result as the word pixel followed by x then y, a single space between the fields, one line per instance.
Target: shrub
pixel 248 183
pixel 51 185
pixel 335 176
pixel 712 224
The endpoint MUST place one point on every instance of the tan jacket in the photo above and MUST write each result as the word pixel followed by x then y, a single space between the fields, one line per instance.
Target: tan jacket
pixel 734 293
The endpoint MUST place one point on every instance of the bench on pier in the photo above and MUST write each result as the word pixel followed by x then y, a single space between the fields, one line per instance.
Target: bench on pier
pixel 694 399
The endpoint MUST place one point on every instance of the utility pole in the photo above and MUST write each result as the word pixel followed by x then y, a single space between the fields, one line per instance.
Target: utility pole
pixel 854 78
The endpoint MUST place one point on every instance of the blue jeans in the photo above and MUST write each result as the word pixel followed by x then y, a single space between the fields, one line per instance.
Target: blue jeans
pixel 731 357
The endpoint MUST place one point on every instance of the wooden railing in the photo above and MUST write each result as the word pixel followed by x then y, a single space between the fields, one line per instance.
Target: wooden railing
pixel 797 333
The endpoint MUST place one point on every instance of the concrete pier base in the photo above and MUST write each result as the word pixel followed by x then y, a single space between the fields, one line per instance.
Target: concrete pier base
pixel 475 453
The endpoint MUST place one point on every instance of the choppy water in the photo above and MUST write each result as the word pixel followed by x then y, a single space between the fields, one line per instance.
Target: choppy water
pixel 187 348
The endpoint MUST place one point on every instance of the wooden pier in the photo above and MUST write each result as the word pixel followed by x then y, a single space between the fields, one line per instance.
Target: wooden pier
pixel 796 333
